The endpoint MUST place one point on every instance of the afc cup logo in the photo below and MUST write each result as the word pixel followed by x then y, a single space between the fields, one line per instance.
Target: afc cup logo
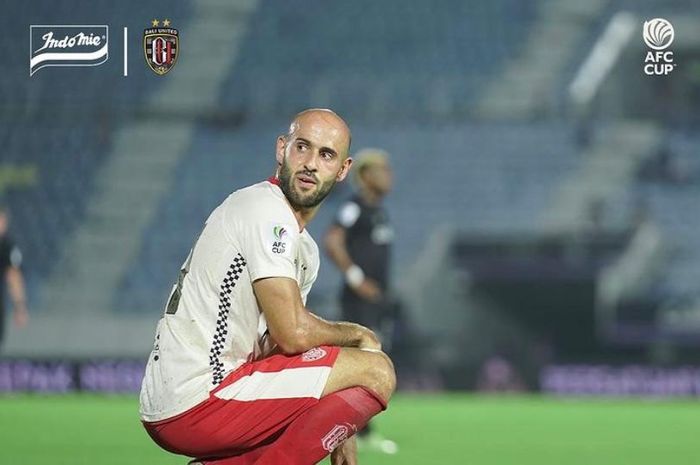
pixel 161 47
pixel 279 246
pixel 658 33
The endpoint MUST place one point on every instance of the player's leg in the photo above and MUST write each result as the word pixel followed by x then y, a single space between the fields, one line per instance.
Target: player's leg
pixel 2 325
pixel 249 409
pixel 367 369
pixel 370 315
pixel 358 388
pixel 372 370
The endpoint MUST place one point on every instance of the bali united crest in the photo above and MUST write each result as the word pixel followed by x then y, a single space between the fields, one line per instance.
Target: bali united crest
pixel 161 46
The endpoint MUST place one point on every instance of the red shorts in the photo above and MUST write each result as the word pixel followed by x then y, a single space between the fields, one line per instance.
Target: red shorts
pixel 251 407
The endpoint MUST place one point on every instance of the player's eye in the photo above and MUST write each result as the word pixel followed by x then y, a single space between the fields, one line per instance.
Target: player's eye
pixel 327 155
pixel 301 146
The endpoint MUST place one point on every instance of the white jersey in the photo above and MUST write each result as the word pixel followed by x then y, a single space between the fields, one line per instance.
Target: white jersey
pixel 212 323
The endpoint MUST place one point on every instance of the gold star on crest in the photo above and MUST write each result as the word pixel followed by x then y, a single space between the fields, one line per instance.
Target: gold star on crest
pixel 166 23
pixel 155 23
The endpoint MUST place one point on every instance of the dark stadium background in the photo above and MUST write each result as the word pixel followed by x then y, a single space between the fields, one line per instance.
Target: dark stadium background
pixel 546 203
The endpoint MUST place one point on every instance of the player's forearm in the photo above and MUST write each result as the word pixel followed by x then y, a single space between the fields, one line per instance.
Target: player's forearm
pixel 341 258
pixel 337 251
pixel 313 331
pixel 337 333
pixel 294 329
pixel 15 284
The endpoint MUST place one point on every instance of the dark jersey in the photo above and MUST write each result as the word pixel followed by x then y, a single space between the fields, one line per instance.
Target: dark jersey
pixel 368 236
pixel 9 256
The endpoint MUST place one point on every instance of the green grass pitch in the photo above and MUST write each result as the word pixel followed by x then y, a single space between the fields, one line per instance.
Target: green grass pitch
pixel 431 430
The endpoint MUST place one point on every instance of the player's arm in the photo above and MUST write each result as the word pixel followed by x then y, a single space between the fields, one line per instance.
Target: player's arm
pixel 15 285
pixel 295 329
pixel 336 248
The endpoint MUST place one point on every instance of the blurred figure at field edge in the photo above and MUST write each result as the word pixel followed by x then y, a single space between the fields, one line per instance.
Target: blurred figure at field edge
pixel 10 262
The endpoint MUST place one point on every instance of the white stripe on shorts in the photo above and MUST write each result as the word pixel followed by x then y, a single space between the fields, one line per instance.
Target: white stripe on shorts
pixel 286 384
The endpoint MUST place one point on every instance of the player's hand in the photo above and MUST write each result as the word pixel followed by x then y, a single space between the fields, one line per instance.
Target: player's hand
pixel 369 340
pixel 345 453
pixel 369 290
pixel 21 316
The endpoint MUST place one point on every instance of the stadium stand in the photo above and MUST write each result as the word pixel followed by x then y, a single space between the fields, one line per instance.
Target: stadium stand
pixel 481 178
pixel 61 123
pixel 407 77
pixel 383 61
pixel 668 197
pixel 375 65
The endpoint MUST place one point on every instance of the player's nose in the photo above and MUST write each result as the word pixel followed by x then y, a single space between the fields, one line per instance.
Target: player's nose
pixel 311 162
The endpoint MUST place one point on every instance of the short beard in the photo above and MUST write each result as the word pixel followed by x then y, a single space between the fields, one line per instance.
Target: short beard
pixel 295 198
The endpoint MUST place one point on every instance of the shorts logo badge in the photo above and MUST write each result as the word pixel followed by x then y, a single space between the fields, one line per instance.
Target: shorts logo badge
pixel 161 46
pixel 337 435
pixel 313 354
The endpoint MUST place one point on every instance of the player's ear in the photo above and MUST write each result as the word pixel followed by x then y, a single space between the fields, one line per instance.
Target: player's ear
pixel 279 152
pixel 342 174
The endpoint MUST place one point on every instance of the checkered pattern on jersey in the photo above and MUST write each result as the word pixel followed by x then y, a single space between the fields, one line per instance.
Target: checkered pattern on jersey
pixel 217 347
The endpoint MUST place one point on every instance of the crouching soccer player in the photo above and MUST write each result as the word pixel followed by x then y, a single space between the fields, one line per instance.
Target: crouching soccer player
pixel 241 372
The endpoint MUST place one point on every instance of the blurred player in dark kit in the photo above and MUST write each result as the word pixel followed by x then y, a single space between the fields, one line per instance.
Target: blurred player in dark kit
pixel 10 262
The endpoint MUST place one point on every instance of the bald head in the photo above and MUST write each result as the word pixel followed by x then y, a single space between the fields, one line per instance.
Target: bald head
pixel 324 123
pixel 312 157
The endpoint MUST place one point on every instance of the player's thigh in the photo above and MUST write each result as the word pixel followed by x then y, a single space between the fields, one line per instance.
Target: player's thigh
pixel 356 367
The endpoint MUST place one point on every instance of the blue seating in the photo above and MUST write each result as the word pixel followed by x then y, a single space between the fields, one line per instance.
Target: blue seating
pixel 61 120
pixel 382 61
pixel 485 177
pixel 655 8
pixel 671 205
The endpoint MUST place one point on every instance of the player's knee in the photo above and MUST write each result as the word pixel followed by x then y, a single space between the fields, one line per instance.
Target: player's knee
pixel 383 376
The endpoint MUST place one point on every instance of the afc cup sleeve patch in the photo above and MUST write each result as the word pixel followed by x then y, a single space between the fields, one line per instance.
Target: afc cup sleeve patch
pixel 271 250
pixel 279 239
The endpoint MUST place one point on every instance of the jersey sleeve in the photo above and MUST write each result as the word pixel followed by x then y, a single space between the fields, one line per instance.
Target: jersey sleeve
pixel 15 256
pixel 269 246
pixel 10 255
pixel 347 215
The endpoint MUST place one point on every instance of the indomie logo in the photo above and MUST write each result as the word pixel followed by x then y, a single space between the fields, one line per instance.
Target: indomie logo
pixel 69 42
pixel 67 45
pixel 161 47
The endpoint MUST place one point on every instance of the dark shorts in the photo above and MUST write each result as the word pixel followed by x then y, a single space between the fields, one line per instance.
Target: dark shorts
pixel 2 326
pixel 368 314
